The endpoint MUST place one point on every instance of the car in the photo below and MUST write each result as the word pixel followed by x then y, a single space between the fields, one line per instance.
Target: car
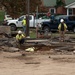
pixel 53 24
pixel 7 17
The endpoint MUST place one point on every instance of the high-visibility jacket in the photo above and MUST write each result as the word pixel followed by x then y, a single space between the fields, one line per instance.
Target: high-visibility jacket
pixel 24 22
pixel 19 37
pixel 65 26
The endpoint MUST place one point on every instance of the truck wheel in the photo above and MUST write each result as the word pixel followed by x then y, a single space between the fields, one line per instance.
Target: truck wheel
pixel 46 29
pixel 74 29
pixel 13 27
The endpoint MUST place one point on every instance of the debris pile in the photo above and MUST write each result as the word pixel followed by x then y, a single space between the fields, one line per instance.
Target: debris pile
pixel 53 45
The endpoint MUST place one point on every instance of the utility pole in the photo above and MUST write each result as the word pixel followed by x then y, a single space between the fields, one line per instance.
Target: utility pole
pixel 37 12
pixel 27 18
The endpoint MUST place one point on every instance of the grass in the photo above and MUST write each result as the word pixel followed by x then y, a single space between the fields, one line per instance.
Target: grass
pixel 32 34
pixel 69 34
pixel 2 13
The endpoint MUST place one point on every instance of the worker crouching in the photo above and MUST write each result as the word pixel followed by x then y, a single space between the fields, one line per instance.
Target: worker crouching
pixel 62 29
pixel 20 37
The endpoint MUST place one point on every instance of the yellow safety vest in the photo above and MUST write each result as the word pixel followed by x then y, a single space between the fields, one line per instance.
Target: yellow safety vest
pixel 65 26
pixel 24 22
pixel 19 37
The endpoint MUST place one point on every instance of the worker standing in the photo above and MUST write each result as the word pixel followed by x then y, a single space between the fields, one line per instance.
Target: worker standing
pixel 62 29
pixel 20 37
pixel 24 25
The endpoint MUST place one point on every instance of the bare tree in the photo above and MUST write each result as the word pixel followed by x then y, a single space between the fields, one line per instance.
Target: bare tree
pixel 18 7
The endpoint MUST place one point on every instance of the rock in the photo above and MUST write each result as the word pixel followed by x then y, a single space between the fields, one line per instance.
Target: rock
pixel 30 49
pixel 23 55
pixel 74 51
pixel 49 56
pixel 10 49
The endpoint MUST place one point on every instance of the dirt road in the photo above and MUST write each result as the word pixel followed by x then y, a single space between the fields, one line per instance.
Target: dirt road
pixel 36 64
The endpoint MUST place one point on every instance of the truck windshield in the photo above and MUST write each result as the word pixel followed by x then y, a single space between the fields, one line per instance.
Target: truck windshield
pixel 59 17
pixel 21 18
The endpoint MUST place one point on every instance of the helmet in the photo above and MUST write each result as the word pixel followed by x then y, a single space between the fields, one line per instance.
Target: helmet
pixel 61 20
pixel 24 17
pixel 19 32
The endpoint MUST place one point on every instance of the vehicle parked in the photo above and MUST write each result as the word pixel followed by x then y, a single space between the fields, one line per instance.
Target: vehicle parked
pixel 53 24
pixel 7 17
pixel 18 22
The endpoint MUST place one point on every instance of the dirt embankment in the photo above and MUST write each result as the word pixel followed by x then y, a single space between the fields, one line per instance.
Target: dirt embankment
pixel 55 59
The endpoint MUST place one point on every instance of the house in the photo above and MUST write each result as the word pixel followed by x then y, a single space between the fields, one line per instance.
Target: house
pixel 68 9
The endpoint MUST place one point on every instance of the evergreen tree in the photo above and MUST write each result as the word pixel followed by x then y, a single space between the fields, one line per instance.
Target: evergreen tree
pixel 59 3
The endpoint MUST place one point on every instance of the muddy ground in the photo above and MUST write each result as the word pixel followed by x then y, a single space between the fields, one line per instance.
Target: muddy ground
pixel 37 63
pixel 44 61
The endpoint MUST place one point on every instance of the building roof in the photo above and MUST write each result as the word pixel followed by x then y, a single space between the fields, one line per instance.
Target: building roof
pixel 72 5
pixel 69 1
pixel 48 3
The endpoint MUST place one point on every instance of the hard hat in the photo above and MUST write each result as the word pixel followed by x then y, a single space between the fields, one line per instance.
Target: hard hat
pixel 19 32
pixel 61 20
pixel 24 17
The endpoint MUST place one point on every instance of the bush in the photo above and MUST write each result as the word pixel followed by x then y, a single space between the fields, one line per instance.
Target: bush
pixel 2 13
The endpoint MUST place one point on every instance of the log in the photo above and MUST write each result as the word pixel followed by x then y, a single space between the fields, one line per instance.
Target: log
pixel 65 48
pixel 9 49
pixel 36 40
pixel 62 57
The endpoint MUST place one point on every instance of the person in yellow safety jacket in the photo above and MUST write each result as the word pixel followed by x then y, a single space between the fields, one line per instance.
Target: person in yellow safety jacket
pixel 20 37
pixel 62 29
pixel 24 25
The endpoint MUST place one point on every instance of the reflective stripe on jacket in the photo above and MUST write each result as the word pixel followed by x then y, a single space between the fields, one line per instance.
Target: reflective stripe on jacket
pixel 19 37
pixel 24 22
pixel 65 26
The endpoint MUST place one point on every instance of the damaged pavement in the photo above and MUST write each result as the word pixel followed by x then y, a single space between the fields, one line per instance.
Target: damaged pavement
pixel 53 45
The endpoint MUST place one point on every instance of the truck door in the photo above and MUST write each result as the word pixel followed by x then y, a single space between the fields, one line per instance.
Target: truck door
pixel 19 22
pixel 54 25
pixel 31 21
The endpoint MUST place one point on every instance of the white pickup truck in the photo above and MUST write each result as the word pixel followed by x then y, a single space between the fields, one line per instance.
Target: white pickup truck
pixel 18 22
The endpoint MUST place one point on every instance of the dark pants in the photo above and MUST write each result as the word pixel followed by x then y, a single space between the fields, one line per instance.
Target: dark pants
pixel 21 41
pixel 24 29
pixel 62 35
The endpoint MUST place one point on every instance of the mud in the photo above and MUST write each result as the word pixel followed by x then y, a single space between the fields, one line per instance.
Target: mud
pixel 37 63
pixel 45 60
